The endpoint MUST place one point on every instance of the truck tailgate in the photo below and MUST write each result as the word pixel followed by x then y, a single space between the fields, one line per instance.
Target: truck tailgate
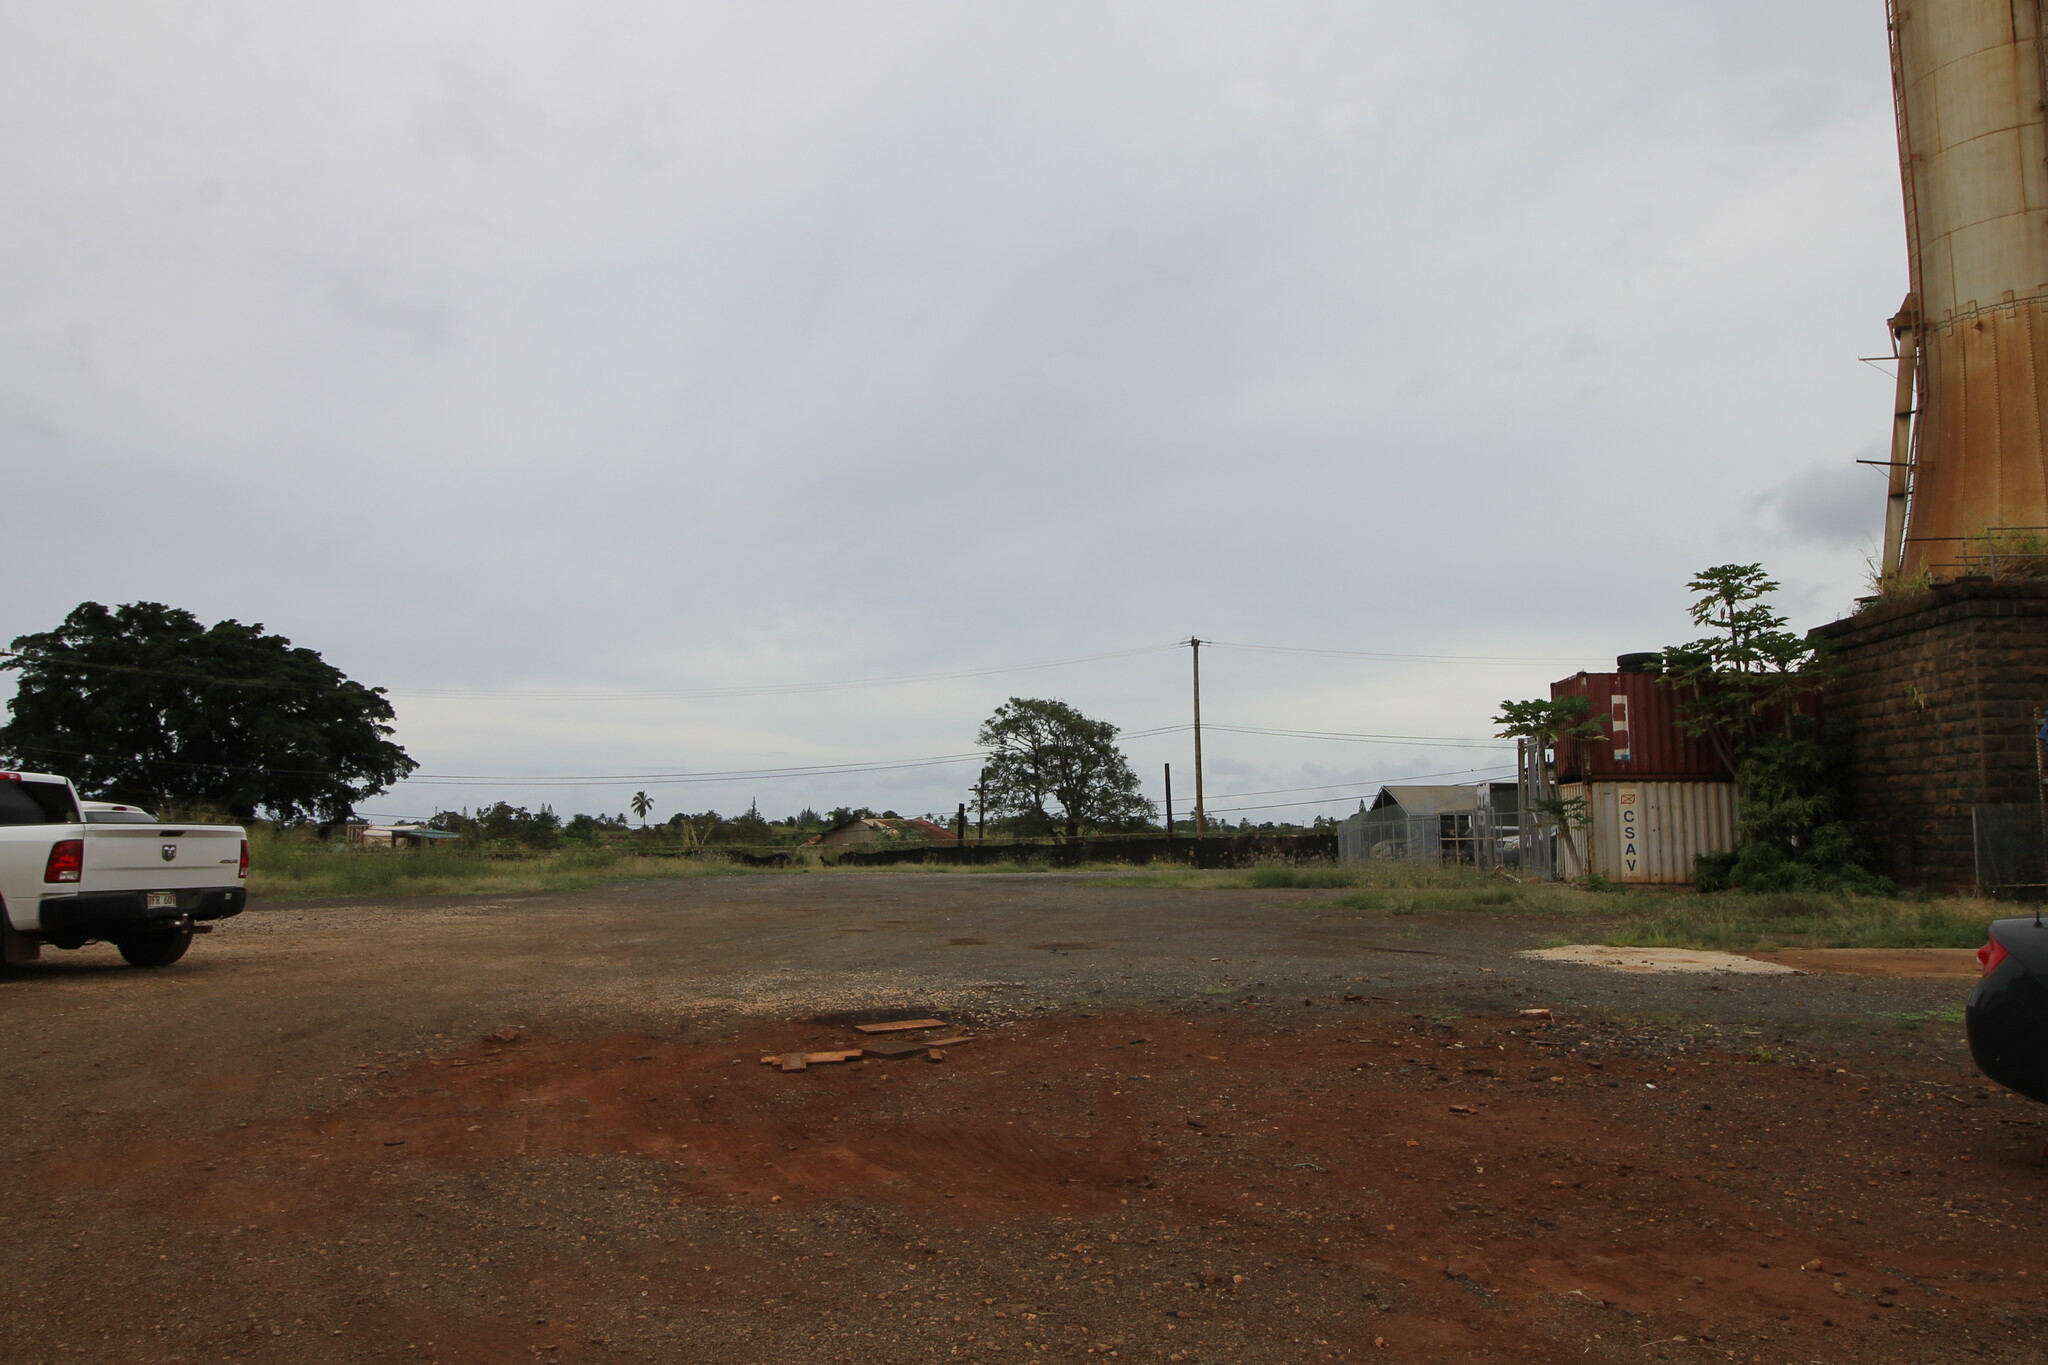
pixel 161 857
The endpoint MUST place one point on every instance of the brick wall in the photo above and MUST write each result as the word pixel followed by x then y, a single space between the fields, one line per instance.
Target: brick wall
pixel 1937 696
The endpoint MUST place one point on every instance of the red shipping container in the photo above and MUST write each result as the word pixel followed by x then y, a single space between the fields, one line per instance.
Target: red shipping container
pixel 1642 738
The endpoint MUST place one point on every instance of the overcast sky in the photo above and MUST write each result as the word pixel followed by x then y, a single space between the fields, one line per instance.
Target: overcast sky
pixel 509 349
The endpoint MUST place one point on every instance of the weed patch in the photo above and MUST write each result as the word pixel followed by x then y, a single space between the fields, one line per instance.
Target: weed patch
pixel 1733 921
pixel 290 868
pixel 1629 917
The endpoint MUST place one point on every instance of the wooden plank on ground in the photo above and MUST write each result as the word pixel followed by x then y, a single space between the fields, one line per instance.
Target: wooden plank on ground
pixel 817 1058
pixel 793 1061
pixel 901 1025
pixel 949 1040
pixel 892 1051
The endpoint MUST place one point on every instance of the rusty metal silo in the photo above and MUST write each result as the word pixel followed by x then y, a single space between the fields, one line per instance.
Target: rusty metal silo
pixel 1969 457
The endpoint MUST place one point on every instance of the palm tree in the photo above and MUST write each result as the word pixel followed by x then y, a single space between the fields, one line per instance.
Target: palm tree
pixel 642 804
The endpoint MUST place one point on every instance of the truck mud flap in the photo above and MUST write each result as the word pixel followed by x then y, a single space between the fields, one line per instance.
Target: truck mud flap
pixel 15 946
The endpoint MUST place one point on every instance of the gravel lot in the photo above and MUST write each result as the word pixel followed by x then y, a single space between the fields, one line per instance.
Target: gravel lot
pixel 1195 1125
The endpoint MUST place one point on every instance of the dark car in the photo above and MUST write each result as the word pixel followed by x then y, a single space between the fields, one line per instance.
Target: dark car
pixel 2007 1017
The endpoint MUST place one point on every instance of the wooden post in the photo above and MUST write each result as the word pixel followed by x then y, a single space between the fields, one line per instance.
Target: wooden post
pixel 1169 800
pixel 1201 818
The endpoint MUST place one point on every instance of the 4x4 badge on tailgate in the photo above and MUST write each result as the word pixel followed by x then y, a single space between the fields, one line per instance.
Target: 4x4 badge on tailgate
pixel 170 852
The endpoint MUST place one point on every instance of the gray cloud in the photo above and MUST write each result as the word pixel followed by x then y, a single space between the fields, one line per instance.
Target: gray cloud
pixel 687 345
pixel 1839 503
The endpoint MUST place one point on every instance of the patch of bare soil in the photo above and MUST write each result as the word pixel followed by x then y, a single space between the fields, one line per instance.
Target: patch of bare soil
pixel 1239 1187
pixel 1892 962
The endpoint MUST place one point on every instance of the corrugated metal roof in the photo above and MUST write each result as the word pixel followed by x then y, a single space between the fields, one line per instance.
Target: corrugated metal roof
pixel 1430 800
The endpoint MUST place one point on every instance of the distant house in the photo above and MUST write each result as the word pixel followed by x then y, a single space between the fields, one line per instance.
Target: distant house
pixel 1476 823
pixel 875 830
pixel 396 836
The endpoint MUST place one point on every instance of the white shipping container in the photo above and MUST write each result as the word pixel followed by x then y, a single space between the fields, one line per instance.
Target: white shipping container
pixel 1649 833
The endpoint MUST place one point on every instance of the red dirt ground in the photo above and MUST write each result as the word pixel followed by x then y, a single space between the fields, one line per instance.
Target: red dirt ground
pixel 1307 1186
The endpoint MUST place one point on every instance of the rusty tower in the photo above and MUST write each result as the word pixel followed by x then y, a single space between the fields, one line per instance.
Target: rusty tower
pixel 1969 456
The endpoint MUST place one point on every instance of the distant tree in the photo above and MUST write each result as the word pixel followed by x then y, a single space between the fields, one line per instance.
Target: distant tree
pixel 749 828
pixel 591 829
pixel 642 804
pixel 503 823
pixel 142 703
pixel 691 829
pixel 845 814
pixel 1051 767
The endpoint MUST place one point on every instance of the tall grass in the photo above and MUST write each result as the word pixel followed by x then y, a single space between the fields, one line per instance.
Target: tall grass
pixel 1640 918
pixel 286 867
pixel 1735 921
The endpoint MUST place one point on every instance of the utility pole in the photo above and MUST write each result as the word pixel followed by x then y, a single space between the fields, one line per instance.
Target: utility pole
pixel 1169 800
pixel 981 806
pixel 960 823
pixel 1201 817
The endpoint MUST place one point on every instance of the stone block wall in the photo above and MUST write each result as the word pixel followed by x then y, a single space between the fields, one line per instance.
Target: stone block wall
pixel 1937 696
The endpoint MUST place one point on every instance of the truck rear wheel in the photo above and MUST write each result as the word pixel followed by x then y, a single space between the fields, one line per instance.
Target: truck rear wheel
pixel 154 947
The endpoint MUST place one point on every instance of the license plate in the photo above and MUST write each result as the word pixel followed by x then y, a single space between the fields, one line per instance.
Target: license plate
pixel 161 900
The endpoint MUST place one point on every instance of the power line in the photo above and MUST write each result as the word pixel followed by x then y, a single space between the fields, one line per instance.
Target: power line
pixel 587 695
pixel 766 689
pixel 215 679
pixel 1322 787
pixel 175 763
pixel 1391 657
pixel 676 779
pixel 1350 737
pixel 592 780
pixel 1392 781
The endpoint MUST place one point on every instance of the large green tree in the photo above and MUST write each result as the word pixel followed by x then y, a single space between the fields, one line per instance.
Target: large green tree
pixel 1743 679
pixel 1051 767
pixel 142 703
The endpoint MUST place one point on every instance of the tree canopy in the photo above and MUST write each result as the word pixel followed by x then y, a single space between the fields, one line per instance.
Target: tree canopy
pixel 1748 673
pixel 1547 723
pixel 142 703
pixel 1052 767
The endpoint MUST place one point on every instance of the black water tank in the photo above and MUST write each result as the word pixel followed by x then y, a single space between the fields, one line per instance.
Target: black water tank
pixel 1639 663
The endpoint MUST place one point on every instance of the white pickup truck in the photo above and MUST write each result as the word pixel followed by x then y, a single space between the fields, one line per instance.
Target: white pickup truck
pixel 73 873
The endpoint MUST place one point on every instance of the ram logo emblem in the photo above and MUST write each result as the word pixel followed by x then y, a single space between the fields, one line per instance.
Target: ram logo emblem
pixel 170 852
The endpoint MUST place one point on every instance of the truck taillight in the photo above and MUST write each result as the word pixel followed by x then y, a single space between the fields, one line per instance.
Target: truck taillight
pixel 1990 955
pixel 67 861
pixel 244 870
